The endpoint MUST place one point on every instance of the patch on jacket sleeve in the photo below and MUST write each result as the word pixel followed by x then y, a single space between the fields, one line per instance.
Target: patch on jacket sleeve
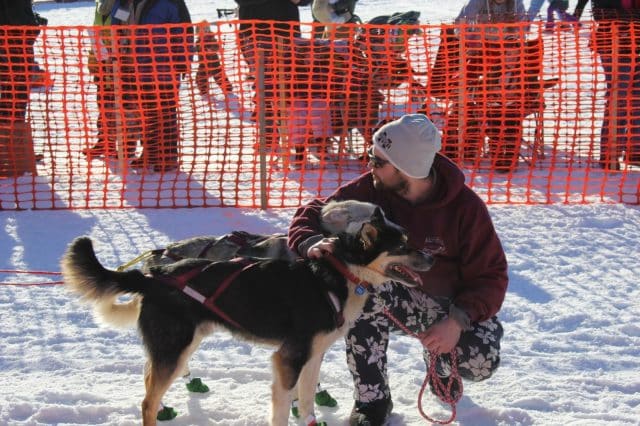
pixel 434 245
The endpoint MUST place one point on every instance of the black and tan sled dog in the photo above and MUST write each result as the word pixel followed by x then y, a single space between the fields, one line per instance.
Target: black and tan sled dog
pixel 300 307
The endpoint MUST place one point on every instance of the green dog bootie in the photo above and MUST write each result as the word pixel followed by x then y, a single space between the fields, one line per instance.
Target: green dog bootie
pixel 196 385
pixel 167 413
pixel 324 399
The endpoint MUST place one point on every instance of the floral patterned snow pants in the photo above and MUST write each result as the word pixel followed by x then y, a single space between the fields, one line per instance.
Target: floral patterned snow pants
pixel 478 349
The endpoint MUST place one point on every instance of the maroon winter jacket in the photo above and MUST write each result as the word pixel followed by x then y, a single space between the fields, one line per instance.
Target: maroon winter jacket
pixel 453 225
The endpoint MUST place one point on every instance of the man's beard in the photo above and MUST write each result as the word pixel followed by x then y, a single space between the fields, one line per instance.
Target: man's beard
pixel 399 187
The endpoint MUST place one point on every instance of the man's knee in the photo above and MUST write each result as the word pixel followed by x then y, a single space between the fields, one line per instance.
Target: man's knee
pixel 479 351
pixel 477 370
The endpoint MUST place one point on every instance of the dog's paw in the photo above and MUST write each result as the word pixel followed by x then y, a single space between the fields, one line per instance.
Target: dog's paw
pixel 196 385
pixel 167 413
pixel 324 399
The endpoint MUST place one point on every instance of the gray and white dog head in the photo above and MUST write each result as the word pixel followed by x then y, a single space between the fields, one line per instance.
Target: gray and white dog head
pixel 347 216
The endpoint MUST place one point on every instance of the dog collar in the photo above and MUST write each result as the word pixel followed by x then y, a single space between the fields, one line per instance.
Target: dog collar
pixel 361 285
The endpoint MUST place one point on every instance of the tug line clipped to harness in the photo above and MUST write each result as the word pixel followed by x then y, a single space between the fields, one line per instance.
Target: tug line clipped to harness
pixel 42 283
pixel 121 268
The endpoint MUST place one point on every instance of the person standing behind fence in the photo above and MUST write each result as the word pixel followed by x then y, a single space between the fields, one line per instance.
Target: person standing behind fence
pixel 489 112
pixel 534 9
pixel 558 7
pixel 284 12
pixel 210 62
pixel 100 64
pixel 18 68
pixel 492 12
pixel 19 73
pixel 252 36
pixel 577 12
pixel 618 26
pixel 153 63
pixel 555 7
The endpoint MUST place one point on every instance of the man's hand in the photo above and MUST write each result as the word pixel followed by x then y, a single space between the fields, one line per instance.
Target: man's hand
pixel 319 249
pixel 442 336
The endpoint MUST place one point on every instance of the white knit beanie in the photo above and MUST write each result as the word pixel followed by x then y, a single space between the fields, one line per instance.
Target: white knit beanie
pixel 410 144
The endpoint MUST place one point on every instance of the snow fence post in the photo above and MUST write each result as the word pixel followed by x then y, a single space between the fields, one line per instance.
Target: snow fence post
pixel 262 128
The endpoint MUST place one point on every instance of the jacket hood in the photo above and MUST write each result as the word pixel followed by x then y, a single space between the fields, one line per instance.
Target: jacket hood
pixel 449 181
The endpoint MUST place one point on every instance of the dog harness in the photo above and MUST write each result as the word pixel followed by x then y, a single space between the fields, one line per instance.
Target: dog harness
pixel 239 238
pixel 181 282
pixel 338 313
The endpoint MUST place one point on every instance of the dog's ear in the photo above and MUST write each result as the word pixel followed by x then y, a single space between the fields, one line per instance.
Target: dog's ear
pixel 378 215
pixel 368 236
pixel 335 220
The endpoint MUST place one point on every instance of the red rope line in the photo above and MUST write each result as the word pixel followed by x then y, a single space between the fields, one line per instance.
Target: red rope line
pixel 18 271
pixel 41 283
pixel 442 391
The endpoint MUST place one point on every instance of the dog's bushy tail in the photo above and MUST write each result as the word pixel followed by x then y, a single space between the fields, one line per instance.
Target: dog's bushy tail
pixel 84 274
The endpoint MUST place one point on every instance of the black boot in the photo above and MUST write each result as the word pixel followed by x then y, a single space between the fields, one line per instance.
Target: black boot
pixel 374 413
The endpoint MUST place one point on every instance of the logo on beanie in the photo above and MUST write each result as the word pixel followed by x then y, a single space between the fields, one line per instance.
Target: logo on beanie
pixel 384 141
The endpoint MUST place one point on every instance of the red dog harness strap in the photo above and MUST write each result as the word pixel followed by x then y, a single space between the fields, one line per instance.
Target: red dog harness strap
pixel 181 283
pixel 209 302
pixel 338 314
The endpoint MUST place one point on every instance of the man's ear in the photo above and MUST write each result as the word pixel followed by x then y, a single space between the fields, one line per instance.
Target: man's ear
pixel 368 236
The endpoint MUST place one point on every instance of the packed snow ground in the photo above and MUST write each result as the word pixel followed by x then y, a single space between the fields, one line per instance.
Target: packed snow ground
pixel 571 351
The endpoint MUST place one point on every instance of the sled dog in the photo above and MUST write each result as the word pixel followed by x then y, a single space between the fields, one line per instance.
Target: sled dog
pixel 300 307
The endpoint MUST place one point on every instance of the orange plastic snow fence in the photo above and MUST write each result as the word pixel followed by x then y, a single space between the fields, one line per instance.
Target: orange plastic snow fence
pixel 267 116
pixel 16 149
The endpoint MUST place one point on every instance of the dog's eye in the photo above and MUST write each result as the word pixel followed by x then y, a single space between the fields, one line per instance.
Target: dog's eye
pixel 368 235
pixel 403 246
